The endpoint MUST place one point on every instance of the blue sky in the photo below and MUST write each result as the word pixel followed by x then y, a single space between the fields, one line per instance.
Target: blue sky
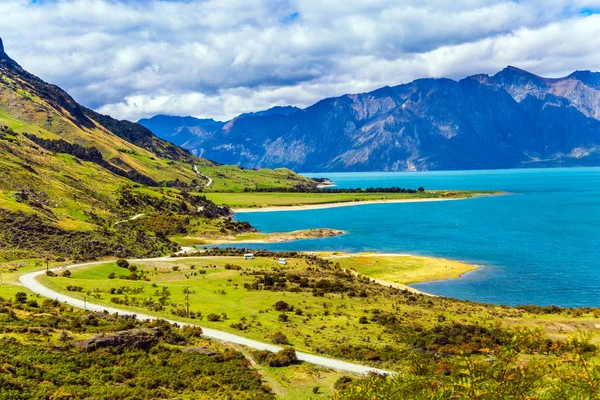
pixel 220 58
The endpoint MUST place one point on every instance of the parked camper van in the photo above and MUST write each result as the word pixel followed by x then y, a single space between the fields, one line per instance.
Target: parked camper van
pixel 249 256
pixel 282 261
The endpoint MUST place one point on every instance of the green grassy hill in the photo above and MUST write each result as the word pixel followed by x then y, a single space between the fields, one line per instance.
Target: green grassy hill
pixel 68 174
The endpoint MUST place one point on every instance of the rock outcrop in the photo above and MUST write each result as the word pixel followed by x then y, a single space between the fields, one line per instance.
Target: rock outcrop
pixel 143 338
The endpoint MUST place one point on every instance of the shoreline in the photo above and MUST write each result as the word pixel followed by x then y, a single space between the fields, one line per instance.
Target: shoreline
pixel 397 285
pixel 340 204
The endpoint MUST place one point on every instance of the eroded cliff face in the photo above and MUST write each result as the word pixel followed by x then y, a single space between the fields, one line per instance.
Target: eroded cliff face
pixel 511 119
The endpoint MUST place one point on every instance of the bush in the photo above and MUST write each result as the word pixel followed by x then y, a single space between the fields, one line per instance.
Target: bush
pixel 213 317
pixel 363 320
pixel 66 273
pixel 21 297
pixel 279 338
pixel 233 267
pixel 283 318
pixel 123 263
pixel 281 306
pixel 342 382
pixel 284 358
pixel 32 303
pixel 111 275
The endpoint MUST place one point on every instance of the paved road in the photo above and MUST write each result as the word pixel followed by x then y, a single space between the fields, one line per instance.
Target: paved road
pixel 137 216
pixel 210 181
pixel 29 281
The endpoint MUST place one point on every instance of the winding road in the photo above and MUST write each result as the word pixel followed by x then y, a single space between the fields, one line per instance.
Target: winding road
pixel 30 281
pixel 137 216
pixel 209 179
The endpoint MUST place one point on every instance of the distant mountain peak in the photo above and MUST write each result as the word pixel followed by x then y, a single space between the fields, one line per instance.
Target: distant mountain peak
pixel 277 110
pixel 1 46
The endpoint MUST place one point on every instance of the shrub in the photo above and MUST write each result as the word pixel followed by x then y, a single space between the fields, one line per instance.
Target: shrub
pixel 233 267
pixel 283 318
pixel 363 320
pixel 342 382
pixel 50 273
pixel 175 268
pixel 66 273
pixel 132 268
pixel 32 303
pixel 111 275
pixel 123 263
pixel 21 297
pixel 213 317
pixel 284 358
pixel 281 306
pixel 279 338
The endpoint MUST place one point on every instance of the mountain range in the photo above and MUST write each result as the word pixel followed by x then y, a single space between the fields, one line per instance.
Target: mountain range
pixel 511 119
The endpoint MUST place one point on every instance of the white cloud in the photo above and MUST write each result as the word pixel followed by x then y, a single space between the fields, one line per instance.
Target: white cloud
pixel 215 58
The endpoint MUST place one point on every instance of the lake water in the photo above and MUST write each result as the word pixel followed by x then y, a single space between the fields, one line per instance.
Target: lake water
pixel 538 245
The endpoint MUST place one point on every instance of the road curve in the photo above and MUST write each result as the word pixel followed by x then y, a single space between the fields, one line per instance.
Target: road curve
pixel 30 281
pixel 137 216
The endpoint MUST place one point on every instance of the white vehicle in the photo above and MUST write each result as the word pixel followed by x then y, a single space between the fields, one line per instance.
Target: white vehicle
pixel 249 256
pixel 282 261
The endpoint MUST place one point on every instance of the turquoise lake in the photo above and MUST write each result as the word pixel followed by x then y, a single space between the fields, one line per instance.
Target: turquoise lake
pixel 540 244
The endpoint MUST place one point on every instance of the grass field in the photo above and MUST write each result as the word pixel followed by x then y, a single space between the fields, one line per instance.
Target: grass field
pixel 402 269
pixel 258 200
pixel 231 178
pixel 324 323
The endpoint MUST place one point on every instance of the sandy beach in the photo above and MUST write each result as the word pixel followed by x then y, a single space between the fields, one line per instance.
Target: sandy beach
pixel 335 205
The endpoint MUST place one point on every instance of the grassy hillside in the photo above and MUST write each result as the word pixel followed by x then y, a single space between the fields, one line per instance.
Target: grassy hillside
pixel 69 174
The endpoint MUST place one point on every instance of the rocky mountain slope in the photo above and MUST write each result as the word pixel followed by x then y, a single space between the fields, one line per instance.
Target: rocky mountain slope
pixel 511 119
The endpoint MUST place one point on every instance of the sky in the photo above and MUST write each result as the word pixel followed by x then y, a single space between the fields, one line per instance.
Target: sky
pixel 219 58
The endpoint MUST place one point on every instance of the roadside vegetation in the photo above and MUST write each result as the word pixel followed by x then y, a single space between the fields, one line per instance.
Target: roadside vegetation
pixel 48 351
pixel 316 305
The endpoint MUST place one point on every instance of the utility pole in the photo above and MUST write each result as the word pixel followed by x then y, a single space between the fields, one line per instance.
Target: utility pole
pixel 84 303
pixel 187 301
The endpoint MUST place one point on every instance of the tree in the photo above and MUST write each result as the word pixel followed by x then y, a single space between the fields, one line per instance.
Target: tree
pixel 421 189
pixel 21 297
